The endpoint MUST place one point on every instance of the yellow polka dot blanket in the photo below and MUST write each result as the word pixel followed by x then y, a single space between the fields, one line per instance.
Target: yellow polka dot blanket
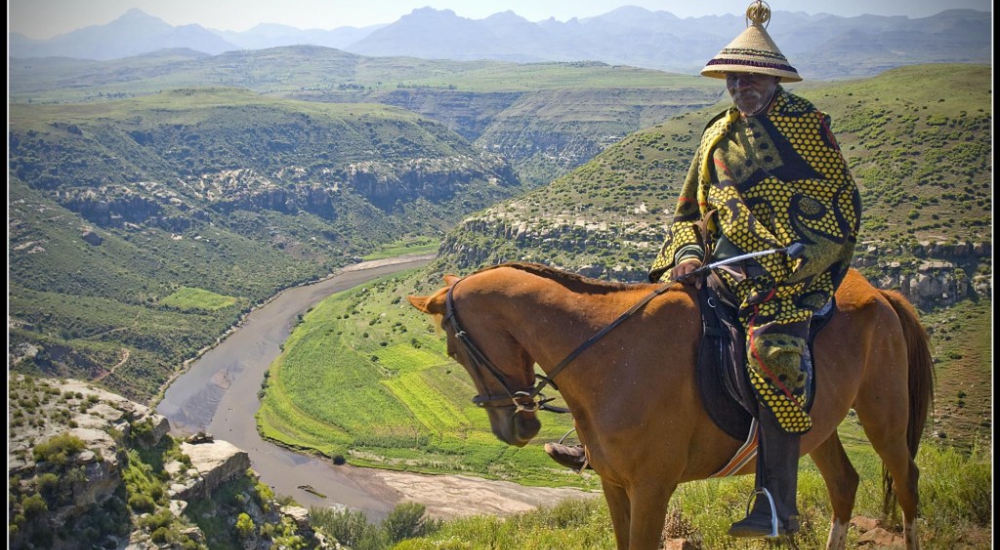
pixel 773 179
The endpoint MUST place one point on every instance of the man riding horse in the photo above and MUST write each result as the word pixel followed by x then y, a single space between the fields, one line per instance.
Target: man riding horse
pixel 768 173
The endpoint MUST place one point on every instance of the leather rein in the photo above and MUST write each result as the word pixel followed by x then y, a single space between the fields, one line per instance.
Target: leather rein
pixel 528 400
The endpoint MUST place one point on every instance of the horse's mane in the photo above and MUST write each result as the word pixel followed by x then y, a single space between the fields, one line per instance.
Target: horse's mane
pixel 572 281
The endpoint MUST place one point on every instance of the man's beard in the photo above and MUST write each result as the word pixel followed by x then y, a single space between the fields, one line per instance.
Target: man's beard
pixel 749 102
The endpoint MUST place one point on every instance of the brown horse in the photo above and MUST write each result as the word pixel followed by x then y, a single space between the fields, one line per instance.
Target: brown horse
pixel 633 396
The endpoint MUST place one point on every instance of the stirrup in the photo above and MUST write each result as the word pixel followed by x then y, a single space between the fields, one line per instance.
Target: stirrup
pixel 774 510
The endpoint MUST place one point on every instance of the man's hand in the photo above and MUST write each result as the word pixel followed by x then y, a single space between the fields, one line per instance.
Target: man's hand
pixel 681 272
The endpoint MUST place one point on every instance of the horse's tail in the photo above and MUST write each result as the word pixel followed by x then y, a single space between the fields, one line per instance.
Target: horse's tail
pixel 920 382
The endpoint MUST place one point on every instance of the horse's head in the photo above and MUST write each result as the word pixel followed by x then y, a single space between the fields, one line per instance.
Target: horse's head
pixel 501 369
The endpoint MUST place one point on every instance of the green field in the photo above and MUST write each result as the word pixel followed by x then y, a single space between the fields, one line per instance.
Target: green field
pixel 196 298
pixel 365 377
pixel 408 246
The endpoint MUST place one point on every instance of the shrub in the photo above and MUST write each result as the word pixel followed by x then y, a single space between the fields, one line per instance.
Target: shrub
pixel 33 506
pixel 407 521
pixel 160 535
pixel 350 528
pixel 163 518
pixel 141 503
pixel 56 449
pixel 244 526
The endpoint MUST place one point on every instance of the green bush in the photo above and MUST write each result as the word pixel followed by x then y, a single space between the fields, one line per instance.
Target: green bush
pixel 244 526
pixel 349 528
pixel 58 448
pixel 160 535
pixel 407 521
pixel 33 506
pixel 48 483
pixel 163 518
pixel 141 504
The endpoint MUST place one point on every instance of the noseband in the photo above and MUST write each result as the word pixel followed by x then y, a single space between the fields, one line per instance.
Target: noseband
pixel 533 399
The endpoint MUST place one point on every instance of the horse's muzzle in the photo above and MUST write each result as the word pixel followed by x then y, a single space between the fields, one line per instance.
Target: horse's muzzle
pixel 512 427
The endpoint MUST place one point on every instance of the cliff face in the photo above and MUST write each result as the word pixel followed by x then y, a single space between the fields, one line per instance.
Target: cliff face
pixel 930 274
pixel 88 468
pixel 212 195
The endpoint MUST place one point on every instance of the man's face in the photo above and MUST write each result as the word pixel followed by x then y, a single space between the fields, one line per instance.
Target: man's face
pixel 751 92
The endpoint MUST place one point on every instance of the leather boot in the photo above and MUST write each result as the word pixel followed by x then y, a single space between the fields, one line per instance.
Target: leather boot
pixel 574 457
pixel 777 476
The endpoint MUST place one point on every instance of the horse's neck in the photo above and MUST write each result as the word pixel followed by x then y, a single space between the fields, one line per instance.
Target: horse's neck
pixel 555 322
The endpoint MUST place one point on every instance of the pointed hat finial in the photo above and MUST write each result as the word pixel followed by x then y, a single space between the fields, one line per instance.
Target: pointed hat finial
pixel 758 14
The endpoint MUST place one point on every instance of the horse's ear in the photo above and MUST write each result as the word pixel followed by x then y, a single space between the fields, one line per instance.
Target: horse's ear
pixel 419 302
pixel 427 304
pixel 451 279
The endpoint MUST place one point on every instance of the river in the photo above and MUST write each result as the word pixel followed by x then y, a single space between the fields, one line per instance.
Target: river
pixel 218 394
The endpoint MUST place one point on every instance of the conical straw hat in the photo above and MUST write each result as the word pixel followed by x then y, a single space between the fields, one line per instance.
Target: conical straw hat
pixel 752 51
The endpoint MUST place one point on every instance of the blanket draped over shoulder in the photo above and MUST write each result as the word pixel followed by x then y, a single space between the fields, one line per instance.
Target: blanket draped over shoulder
pixel 774 179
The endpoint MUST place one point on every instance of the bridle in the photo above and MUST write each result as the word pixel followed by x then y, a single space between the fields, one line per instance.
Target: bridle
pixel 527 400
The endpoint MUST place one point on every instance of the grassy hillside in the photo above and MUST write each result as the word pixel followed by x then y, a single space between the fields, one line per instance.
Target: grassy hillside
pixel 115 208
pixel 132 180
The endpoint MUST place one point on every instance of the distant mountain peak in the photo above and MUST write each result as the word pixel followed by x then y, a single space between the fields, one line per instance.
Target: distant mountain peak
pixel 431 12
pixel 135 14
pixel 508 15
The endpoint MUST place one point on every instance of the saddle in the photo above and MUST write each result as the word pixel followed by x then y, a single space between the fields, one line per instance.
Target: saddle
pixel 721 373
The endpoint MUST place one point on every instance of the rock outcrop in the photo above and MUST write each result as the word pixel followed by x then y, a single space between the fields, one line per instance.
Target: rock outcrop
pixel 212 465
pixel 79 479
pixel 929 274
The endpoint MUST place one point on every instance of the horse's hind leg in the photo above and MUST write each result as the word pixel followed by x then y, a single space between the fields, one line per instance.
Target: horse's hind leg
pixel 887 432
pixel 842 485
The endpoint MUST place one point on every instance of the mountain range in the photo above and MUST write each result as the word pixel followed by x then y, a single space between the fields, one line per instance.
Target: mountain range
pixel 821 46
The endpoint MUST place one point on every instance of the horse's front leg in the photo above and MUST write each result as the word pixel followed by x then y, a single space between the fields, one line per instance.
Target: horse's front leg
pixel 621 512
pixel 649 498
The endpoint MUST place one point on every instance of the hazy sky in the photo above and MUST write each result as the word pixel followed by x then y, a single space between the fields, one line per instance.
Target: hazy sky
pixel 48 18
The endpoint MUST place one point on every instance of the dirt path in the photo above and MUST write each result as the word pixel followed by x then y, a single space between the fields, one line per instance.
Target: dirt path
pixel 218 393
pixel 125 355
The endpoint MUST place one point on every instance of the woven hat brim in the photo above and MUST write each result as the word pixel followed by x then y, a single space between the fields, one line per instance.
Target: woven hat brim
pixel 753 51
pixel 719 70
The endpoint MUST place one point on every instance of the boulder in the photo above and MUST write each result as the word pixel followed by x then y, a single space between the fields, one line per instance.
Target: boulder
pixel 216 463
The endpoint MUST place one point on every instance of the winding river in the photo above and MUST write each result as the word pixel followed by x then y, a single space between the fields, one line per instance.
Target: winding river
pixel 218 394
